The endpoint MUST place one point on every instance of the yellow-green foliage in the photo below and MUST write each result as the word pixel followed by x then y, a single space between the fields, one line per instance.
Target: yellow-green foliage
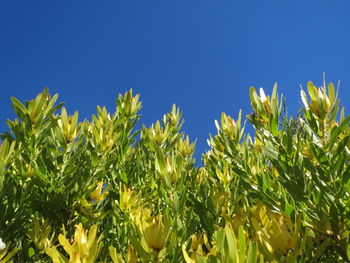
pixel 102 191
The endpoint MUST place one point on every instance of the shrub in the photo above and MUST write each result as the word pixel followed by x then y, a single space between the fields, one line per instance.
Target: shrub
pixel 103 191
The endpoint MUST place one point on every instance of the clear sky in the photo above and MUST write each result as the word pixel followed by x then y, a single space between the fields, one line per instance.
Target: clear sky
pixel 202 55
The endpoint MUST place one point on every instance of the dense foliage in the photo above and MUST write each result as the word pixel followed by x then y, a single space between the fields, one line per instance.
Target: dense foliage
pixel 101 191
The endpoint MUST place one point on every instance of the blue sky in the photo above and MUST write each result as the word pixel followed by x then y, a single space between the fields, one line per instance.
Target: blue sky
pixel 202 55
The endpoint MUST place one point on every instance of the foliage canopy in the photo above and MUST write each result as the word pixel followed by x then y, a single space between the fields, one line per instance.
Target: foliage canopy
pixel 102 191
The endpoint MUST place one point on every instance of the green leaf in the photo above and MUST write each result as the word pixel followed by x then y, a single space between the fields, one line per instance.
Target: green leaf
pixel 230 246
pixel 242 244
pixel 336 131
pixel 252 253
pixel 311 90
pixel 212 259
pixel 274 126
pixel 31 252
pixel 65 244
pixel 19 108
pixel 200 259
pixel 138 247
pixel 270 152
pixel 331 93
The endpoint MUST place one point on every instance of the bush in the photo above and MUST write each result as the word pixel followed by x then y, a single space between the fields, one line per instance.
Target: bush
pixel 102 191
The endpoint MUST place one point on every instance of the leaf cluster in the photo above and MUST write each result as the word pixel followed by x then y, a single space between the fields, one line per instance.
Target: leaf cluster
pixel 104 191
